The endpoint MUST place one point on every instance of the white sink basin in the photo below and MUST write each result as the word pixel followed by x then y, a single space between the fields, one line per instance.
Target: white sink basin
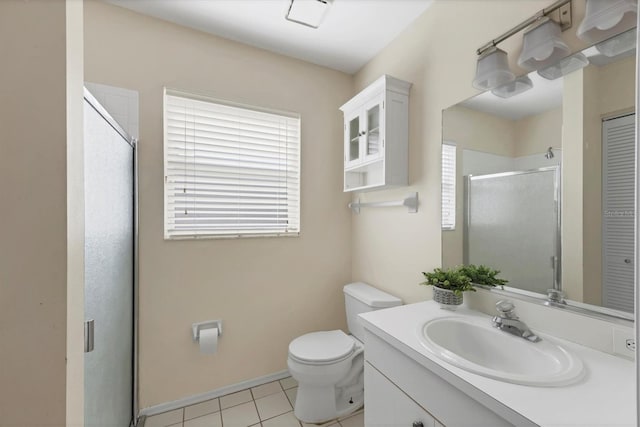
pixel 477 347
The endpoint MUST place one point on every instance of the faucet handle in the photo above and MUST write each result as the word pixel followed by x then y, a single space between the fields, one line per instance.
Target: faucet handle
pixel 555 295
pixel 506 309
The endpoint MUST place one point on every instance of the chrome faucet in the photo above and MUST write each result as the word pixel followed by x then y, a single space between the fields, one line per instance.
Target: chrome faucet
pixel 508 321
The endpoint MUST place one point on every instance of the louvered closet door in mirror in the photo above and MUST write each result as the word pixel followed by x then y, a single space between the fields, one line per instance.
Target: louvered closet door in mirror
pixel 618 149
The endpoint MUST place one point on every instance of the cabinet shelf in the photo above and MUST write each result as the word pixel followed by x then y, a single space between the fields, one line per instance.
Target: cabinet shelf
pixel 378 156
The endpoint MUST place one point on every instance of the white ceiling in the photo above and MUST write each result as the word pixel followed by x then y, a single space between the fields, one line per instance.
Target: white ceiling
pixel 353 31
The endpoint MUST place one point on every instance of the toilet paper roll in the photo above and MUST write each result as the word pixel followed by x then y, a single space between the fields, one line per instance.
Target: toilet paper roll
pixel 209 340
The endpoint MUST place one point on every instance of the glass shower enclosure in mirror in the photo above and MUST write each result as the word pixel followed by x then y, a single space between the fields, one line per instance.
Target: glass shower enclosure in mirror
pixel 541 185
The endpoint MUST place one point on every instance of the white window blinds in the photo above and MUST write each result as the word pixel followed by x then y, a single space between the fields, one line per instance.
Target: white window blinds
pixel 230 171
pixel 448 186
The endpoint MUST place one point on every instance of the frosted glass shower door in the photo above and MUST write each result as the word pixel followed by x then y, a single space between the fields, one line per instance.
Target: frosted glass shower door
pixel 109 244
pixel 512 225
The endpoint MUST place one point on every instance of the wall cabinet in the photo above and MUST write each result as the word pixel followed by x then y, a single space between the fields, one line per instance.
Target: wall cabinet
pixel 376 136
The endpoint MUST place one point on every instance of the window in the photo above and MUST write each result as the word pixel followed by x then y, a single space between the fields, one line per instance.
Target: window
pixel 230 170
pixel 448 186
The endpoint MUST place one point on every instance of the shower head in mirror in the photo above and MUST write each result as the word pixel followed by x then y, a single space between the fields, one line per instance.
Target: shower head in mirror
pixel 549 154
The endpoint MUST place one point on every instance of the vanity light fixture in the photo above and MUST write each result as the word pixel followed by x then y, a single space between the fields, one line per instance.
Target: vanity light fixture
pixel 542 45
pixel 619 44
pixel 492 69
pixel 565 66
pixel 516 87
pixel 308 12
pixel 606 18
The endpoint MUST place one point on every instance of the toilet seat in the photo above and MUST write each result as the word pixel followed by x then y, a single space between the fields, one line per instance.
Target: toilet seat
pixel 319 348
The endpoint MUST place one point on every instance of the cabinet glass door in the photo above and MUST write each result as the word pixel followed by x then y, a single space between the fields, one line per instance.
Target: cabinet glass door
pixel 373 146
pixel 353 143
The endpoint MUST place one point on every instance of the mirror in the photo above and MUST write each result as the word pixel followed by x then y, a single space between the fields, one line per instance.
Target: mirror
pixel 540 185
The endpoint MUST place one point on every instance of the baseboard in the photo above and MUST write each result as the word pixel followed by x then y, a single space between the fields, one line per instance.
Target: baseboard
pixel 198 398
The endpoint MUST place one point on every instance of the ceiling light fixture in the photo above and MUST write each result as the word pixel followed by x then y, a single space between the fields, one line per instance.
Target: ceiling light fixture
pixel 542 45
pixel 492 69
pixel 606 18
pixel 309 13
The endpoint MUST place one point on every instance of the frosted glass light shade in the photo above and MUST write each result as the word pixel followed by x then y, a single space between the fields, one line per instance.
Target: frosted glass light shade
pixel 607 18
pixel 542 45
pixel 619 44
pixel 565 66
pixel 492 70
pixel 516 87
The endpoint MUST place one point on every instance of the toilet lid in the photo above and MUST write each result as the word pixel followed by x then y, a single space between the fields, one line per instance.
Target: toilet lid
pixel 325 346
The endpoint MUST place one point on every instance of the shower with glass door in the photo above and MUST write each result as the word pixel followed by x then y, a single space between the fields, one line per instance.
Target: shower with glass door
pixel 512 223
pixel 110 259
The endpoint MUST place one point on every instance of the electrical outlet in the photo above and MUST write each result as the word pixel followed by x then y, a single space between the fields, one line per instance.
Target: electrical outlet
pixel 631 344
pixel 624 343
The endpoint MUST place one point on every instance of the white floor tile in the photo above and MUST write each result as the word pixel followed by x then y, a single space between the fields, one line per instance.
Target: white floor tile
pixel 354 421
pixel 266 389
pixel 288 383
pixel 240 416
pixel 200 409
pixel 235 399
pixel 211 420
pixel 164 419
pixel 291 394
pixel 273 405
pixel 284 420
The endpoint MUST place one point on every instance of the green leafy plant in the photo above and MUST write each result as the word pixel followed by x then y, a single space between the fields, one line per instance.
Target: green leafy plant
pixel 482 275
pixel 463 278
pixel 452 279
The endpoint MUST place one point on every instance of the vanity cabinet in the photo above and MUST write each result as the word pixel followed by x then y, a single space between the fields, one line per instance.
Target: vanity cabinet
pixel 399 391
pixel 387 405
pixel 376 136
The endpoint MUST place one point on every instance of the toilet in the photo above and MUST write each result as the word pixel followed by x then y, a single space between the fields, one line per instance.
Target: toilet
pixel 329 365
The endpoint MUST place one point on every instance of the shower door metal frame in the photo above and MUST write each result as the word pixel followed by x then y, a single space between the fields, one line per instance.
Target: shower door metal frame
pixel 95 104
pixel 557 262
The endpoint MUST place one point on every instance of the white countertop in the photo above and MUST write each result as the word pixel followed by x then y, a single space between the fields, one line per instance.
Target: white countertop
pixel 605 396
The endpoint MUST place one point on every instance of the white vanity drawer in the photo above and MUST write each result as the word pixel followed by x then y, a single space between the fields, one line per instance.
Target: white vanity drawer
pixel 448 404
pixel 388 406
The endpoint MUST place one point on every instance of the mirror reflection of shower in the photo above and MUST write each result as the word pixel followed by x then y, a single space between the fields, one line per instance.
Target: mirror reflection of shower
pixel 512 223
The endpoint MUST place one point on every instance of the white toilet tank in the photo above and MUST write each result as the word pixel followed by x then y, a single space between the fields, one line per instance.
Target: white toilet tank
pixel 362 298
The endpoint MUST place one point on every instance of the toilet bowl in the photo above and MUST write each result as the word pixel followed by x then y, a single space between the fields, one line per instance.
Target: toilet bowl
pixel 329 365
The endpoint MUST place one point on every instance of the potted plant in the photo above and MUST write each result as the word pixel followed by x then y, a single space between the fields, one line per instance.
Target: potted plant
pixel 482 275
pixel 449 284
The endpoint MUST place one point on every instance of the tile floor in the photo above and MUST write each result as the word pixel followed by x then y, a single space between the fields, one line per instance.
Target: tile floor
pixel 268 405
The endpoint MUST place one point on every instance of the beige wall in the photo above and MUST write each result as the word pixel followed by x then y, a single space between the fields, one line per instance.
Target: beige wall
pixel 267 291
pixel 479 131
pixel 391 248
pixel 534 134
pixel 40 112
pixel 616 83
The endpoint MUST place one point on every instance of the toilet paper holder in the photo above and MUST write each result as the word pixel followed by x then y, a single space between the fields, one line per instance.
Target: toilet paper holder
pixel 197 327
